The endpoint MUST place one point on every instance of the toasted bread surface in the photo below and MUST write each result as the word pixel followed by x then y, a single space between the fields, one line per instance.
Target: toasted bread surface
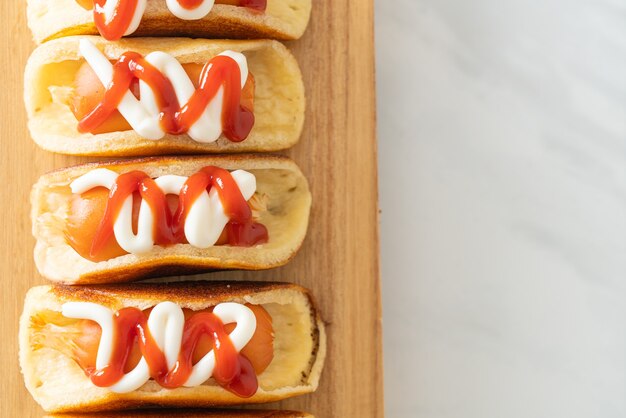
pixel 49 83
pixel 189 413
pixel 58 384
pixel 286 218
pixel 283 19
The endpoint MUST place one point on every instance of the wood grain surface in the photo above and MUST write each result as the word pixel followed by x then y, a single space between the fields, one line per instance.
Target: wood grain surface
pixel 339 260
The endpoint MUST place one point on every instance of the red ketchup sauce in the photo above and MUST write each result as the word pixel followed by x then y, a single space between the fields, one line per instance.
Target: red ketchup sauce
pixel 233 371
pixel 241 229
pixel 259 5
pixel 221 71
pixel 123 16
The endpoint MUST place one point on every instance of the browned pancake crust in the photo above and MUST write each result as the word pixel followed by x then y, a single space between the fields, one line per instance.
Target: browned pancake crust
pixel 189 292
pixel 168 264
pixel 191 413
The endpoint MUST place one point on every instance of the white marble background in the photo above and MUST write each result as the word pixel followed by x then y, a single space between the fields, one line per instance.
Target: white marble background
pixel 502 141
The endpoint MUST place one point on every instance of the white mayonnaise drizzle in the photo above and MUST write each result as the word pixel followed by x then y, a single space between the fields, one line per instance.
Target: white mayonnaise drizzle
pixel 204 223
pixel 199 12
pixel 166 323
pixel 143 114
pixel 110 7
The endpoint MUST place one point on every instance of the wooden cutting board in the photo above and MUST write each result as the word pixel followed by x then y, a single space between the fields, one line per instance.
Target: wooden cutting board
pixel 340 258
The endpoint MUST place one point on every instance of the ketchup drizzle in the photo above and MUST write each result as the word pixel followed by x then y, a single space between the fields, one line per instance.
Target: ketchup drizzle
pixel 220 71
pixel 233 371
pixel 259 5
pixel 126 185
pixel 123 15
pixel 242 230
pixel 119 23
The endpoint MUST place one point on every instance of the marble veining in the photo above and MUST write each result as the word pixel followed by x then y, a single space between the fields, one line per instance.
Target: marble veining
pixel 502 143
